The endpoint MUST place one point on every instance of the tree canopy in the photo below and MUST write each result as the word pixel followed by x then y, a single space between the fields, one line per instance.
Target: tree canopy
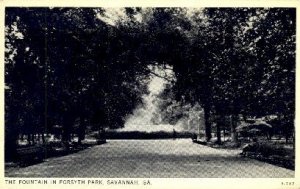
pixel 65 64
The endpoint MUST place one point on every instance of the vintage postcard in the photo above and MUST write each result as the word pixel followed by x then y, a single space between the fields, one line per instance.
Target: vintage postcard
pixel 161 94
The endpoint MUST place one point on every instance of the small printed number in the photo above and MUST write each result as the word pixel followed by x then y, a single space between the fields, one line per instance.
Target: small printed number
pixel 287 183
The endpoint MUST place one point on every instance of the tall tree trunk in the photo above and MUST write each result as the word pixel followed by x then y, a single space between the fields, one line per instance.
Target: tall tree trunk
pixel 67 127
pixel 39 137
pixel 33 138
pixel 219 123
pixel 11 141
pixel 29 138
pixel 224 133
pixel 43 138
pixel 234 137
pixel 294 141
pixel 219 134
pixel 66 136
pixel 81 130
pixel 207 122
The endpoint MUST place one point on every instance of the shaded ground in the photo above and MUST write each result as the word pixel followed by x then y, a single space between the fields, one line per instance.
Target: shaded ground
pixel 151 158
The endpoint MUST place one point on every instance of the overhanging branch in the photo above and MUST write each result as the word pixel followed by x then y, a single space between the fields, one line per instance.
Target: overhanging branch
pixel 157 75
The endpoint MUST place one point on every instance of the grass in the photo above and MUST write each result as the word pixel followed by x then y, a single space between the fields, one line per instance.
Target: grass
pixel 274 153
pixel 28 155
pixel 271 151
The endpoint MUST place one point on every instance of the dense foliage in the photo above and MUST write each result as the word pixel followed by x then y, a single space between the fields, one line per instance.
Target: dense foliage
pixel 69 67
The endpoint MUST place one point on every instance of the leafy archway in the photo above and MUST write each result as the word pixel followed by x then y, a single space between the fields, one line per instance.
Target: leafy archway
pixel 79 67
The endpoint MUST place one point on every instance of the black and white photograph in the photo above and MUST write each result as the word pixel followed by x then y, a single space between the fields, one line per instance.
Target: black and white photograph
pixel 149 92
